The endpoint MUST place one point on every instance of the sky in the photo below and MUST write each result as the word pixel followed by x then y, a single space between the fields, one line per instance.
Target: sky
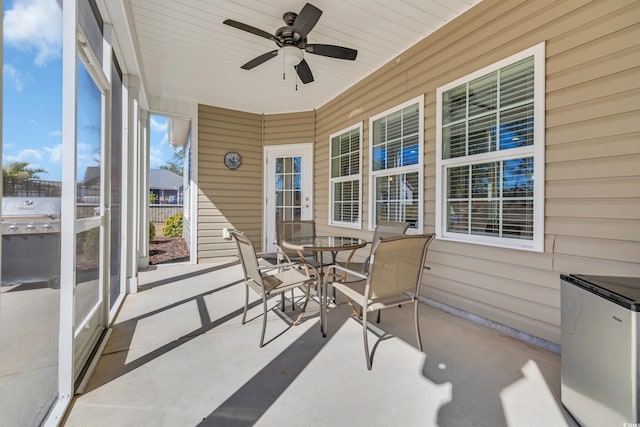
pixel 32 94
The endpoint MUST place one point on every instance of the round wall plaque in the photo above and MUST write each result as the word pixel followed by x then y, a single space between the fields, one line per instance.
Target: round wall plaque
pixel 232 160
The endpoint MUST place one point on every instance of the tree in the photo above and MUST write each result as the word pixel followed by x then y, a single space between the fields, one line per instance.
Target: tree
pixel 176 164
pixel 21 170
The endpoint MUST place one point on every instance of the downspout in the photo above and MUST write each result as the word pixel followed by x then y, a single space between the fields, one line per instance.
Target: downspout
pixel 315 118
pixel 264 195
pixel 193 185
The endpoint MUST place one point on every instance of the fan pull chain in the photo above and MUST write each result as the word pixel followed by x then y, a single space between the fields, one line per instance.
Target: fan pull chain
pixel 284 65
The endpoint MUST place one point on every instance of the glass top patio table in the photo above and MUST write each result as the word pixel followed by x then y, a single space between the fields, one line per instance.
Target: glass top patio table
pixel 332 244
pixel 324 243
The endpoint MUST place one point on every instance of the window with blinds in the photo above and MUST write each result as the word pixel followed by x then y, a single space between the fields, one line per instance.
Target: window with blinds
pixel 396 142
pixel 345 177
pixel 490 149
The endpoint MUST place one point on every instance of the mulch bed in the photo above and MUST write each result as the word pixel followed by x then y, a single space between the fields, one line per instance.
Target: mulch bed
pixel 163 250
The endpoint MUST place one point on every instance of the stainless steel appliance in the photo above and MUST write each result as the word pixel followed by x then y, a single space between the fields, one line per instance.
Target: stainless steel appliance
pixel 600 338
pixel 30 240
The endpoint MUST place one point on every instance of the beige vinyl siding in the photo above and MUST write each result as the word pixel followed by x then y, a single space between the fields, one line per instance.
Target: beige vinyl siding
pixel 292 128
pixel 592 178
pixel 592 155
pixel 231 199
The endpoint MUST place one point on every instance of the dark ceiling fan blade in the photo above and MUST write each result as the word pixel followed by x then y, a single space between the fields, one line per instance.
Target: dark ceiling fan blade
pixel 260 60
pixel 248 28
pixel 304 72
pixel 306 20
pixel 332 51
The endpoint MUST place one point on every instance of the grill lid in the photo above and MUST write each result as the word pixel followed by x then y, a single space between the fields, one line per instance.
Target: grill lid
pixel 23 208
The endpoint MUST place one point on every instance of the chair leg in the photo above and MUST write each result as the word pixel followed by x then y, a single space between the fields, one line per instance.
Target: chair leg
pixel 246 303
pixel 264 319
pixel 293 304
pixel 378 317
pixel 366 342
pixel 417 324
pixel 304 307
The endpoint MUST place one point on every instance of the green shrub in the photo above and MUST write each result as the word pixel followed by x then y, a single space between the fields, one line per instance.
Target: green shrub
pixel 152 231
pixel 89 243
pixel 173 226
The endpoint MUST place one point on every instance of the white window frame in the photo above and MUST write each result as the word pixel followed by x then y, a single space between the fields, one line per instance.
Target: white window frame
pixel 419 167
pixel 536 151
pixel 357 176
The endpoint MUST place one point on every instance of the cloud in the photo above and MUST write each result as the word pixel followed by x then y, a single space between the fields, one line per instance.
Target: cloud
pixel 87 155
pixel 35 24
pixel 8 158
pixel 155 158
pixel 26 155
pixel 30 153
pixel 55 152
pixel 158 126
pixel 14 76
pixel 55 133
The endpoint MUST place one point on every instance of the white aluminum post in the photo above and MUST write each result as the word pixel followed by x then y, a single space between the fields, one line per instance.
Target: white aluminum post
pixel 133 182
pixel 143 173
pixel 68 208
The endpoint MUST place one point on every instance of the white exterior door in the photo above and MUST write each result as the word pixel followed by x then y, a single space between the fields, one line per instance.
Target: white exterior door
pixel 288 178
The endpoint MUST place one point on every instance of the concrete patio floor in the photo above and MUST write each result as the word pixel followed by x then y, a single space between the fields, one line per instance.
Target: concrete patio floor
pixel 179 356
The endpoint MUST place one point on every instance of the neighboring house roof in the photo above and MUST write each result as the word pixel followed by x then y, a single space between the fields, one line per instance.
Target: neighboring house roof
pixel 91 175
pixel 161 179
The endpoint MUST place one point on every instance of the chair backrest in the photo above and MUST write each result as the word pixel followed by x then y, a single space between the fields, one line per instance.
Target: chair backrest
pixel 386 229
pixel 248 257
pixel 292 229
pixel 397 264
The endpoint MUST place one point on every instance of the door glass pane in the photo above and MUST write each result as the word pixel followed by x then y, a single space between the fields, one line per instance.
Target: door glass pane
pixel 31 148
pixel 89 172
pixel 87 293
pixel 91 22
pixel 116 174
pixel 89 135
pixel 289 185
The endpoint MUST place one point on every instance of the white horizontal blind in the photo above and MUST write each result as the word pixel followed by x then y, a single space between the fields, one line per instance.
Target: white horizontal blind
pixel 493 112
pixel 396 139
pixel 492 199
pixel 345 177
pixel 488 156
pixel 396 159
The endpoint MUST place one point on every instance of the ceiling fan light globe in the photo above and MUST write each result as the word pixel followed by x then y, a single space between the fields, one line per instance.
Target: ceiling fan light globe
pixel 292 55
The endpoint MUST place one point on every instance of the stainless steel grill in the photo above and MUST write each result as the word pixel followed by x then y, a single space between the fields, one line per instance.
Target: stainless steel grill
pixel 30 240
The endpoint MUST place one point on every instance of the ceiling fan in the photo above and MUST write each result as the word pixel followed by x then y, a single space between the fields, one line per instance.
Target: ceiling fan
pixel 292 42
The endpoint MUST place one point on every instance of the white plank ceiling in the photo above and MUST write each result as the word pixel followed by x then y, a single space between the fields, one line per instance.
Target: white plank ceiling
pixel 187 53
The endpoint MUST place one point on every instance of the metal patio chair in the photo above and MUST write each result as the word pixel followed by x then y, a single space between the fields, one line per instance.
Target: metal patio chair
pixel 272 279
pixel 395 276
pixel 291 229
pixel 384 229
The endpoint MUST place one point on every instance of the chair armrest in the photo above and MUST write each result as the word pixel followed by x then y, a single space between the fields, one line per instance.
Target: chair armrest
pixel 345 270
pixel 287 265
pixel 265 254
pixel 276 266
pixel 280 252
